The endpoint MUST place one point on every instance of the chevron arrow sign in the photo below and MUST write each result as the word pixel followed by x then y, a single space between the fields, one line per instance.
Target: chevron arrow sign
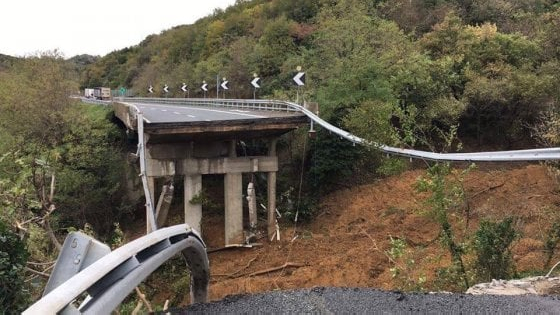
pixel 299 79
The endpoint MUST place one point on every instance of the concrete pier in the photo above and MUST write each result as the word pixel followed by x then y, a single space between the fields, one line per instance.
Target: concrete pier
pixel 196 159
pixel 193 211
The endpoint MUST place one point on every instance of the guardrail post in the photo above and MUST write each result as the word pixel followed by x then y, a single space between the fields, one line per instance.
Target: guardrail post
pixel 78 252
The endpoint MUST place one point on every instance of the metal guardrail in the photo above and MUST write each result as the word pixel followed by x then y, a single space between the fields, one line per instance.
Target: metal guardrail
pixel 110 279
pixel 272 105
pixel 94 101
pixel 497 156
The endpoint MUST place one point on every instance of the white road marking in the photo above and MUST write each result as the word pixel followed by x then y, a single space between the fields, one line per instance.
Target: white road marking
pixel 191 116
pixel 176 113
pixel 164 110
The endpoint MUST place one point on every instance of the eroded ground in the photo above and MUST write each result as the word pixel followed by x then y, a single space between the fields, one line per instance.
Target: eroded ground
pixel 345 246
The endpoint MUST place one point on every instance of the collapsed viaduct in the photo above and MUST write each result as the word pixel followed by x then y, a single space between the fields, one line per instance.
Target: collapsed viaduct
pixel 196 138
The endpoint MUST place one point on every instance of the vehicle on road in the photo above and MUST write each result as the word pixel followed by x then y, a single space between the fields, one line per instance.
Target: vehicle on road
pixel 88 93
pixel 101 93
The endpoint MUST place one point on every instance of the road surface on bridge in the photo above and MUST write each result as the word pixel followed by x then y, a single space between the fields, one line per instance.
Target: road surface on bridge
pixel 160 113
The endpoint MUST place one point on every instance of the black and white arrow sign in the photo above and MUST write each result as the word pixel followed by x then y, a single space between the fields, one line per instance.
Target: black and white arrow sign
pixel 184 87
pixel 166 88
pixel 255 83
pixel 224 85
pixel 151 89
pixel 204 87
pixel 299 79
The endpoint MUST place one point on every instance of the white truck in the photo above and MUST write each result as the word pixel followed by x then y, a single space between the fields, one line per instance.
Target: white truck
pixel 88 93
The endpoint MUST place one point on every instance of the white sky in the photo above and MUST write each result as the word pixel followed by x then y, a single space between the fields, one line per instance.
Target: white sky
pixel 95 27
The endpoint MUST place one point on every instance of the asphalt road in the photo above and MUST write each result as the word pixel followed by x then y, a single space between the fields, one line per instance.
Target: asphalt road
pixel 159 113
pixel 371 301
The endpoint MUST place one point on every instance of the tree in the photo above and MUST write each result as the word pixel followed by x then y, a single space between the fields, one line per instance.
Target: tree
pixel 61 167
pixel 13 256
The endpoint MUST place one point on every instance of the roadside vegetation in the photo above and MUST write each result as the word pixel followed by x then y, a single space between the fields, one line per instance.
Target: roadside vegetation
pixel 61 169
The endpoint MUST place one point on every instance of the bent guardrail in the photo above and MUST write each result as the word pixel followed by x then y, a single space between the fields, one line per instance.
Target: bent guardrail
pixel 110 279
pixel 497 156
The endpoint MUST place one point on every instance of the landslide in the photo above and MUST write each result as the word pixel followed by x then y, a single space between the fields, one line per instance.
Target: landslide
pixel 346 244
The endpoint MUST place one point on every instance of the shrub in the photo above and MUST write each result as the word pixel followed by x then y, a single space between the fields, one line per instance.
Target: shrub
pixel 492 247
pixel 13 255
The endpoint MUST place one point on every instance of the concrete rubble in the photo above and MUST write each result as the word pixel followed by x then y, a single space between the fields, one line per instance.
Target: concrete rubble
pixel 533 285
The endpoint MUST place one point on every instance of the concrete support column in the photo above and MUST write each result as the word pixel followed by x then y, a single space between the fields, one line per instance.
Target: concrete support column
pixel 193 212
pixel 271 193
pixel 233 208
pixel 233 193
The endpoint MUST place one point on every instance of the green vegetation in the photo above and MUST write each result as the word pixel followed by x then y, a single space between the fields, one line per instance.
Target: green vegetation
pixel 60 165
pixel 493 249
pixel 13 256
pixel 396 72
pixel 444 197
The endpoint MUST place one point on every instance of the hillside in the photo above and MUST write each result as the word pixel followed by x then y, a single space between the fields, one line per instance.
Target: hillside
pixel 407 73
pixel 489 67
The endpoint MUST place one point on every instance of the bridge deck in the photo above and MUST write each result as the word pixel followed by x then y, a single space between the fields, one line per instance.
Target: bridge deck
pixel 173 122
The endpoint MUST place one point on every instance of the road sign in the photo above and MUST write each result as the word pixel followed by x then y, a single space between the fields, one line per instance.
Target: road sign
pixel 123 91
pixel 204 86
pixel 166 88
pixel 151 89
pixel 255 82
pixel 224 85
pixel 299 79
pixel 184 87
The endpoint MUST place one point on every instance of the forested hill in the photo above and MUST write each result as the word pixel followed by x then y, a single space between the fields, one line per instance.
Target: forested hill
pixel 489 66
pixel 6 61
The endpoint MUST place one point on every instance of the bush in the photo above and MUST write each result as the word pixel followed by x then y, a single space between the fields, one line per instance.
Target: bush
pixel 13 255
pixel 333 161
pixel 492 246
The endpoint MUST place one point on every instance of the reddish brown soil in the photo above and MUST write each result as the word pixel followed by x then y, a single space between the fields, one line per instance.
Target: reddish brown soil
pixel 346 244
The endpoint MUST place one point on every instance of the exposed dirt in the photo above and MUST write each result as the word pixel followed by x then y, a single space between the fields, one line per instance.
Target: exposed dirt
pixel 346 244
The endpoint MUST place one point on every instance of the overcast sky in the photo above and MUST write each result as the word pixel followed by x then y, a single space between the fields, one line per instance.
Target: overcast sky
pixel 91 27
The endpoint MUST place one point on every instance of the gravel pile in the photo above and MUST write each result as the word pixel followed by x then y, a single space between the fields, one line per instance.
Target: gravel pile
pixel 349 300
